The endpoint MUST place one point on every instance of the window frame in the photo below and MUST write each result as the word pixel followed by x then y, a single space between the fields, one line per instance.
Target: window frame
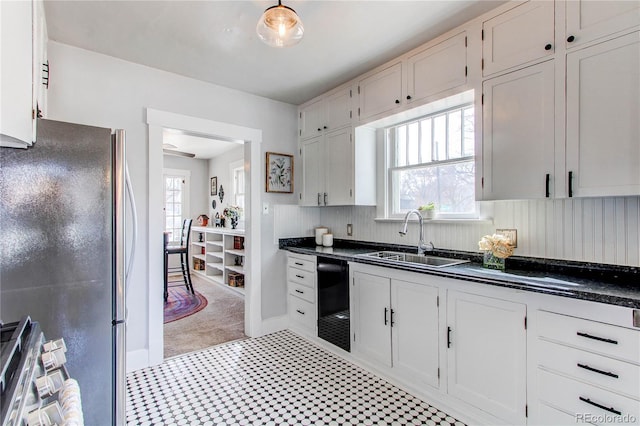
pixel 389 135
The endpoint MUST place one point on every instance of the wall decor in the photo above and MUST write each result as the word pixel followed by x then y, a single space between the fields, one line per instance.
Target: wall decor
pixel 279 173
pixel 214 186
pixel 221 193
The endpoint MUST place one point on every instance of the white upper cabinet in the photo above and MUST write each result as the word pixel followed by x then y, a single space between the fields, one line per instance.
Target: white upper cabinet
pixel 603 129
pixel 16 74
pixel 326 113
pixel 339 165
pixel 519 36
pixel 380 92
pixel 518 134
pixel 437 68
pixel 588 20
pixel 312 157
pixel 487 354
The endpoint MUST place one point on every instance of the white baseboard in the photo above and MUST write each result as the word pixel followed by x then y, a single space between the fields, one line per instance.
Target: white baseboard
pixel 137 360
pixel 271 325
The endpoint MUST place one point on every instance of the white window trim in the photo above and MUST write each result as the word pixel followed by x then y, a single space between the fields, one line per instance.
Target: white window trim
pixel 186 201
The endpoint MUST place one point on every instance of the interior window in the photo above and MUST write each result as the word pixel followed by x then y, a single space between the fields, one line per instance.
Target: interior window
pixel 431 160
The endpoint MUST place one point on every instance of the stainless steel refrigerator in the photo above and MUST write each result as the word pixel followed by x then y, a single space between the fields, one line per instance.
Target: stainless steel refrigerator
pixel 62 253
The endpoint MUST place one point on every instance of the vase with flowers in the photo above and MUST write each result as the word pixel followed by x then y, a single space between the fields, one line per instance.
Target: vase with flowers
pixel 496 249
pixel 233 214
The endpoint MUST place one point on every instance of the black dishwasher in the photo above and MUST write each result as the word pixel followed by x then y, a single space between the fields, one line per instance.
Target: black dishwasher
pixel 333 302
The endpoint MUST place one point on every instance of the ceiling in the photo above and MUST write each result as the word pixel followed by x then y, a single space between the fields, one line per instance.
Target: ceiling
pixel 216 41
pixel 204 148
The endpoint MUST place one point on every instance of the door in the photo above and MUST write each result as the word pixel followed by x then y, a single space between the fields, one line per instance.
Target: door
pixel 518 36
pixel 371 317
pixel 381 92
pixel 588 20
pixel 438 68
pixel 339 167
pixel 603 130
pixel 415 334
pixel 338 109
pixel 312 154
pixel 518 134
pixel 487 354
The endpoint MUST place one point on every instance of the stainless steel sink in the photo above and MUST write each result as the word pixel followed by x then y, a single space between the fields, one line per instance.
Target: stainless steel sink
pixel 394 257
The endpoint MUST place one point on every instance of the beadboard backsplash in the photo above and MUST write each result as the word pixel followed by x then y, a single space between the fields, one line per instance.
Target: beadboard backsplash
pixel 601 230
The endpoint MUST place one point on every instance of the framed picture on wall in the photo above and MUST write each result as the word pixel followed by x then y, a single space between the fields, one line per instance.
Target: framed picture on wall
pixel 214 186
pixel 279 173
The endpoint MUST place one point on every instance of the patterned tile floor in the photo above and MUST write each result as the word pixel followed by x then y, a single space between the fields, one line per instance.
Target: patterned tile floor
pixel 277 379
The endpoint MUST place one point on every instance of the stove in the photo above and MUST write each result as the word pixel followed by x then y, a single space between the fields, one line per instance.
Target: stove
pixel 35 387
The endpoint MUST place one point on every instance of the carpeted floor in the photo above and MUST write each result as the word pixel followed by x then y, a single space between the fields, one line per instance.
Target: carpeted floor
pixel 221 321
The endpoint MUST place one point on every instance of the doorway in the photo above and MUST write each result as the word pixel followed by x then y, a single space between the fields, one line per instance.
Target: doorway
pixel 159 121
pixel 194 168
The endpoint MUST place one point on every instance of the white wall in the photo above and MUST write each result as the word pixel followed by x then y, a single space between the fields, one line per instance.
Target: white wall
pixel 601 230
pixel 219 167
pixel 198 182
pixel 94 89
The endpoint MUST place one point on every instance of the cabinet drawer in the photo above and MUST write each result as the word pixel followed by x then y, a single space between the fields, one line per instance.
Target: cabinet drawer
pixel 301 291
pixel 612 374
pixel 588 403
pixel 302 313
pixel 550 416
pixel 300 276
pixel 606 339
pixel 301 263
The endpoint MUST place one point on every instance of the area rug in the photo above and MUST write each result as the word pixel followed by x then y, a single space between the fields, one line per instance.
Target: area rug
pixel 181 304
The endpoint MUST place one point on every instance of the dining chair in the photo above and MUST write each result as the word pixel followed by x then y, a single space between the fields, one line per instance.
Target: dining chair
pixel 183 251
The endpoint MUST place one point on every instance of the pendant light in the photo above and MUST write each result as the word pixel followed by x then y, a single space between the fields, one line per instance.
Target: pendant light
pixel 280 26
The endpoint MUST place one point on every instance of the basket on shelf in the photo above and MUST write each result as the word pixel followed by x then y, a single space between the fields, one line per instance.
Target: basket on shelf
pixel 198 264
pixel 236 279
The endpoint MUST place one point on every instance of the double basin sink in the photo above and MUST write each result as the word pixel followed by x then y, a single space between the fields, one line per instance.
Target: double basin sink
pixel 399 258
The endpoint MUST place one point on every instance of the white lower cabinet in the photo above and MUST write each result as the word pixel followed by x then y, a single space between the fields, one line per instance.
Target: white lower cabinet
pixel 588 370
pixel 487 354
pixel 301 290
pixel 395 324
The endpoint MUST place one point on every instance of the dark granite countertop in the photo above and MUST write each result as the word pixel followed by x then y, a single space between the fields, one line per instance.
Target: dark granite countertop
pixel 611 284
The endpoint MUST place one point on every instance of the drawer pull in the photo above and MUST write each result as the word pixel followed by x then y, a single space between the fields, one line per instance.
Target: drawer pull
pixel 595 404
pixel 600 339
pixel 300 276
pixel 299 311
pixel 299 264
pixel 595 370
pixel 302 292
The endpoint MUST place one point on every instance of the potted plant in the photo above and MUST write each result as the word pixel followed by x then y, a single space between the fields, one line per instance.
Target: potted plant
pixel 233 213
pixel 428 211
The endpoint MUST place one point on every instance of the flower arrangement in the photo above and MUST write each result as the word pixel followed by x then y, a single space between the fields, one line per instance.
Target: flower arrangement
pixel 496 249
pixel 233 213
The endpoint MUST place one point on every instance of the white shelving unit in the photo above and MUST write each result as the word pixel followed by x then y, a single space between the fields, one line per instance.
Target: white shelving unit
pixel 221 255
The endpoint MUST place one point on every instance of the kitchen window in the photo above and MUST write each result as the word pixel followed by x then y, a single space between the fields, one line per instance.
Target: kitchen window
pixel 431 159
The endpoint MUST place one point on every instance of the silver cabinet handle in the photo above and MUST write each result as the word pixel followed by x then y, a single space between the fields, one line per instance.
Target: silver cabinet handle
pixel 325 199
pixel 319 202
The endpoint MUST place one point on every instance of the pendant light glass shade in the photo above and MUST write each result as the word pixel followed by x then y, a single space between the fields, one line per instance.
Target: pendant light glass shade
pixel 280 26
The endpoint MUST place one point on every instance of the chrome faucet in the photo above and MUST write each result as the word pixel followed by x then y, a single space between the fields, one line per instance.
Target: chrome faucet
pixel 422 247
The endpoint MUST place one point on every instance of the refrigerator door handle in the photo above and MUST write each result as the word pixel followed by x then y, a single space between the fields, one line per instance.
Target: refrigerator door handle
pixel 119 375
pixel 134 224
pixel 118 146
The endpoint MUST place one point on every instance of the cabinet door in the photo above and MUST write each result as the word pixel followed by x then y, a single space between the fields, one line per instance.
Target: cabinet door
pixel 338 167
pixel 415 332
pixel 518 134
pixel 603 130
pixel 312 155
pixel 370 316
pixel 487 354
pixel 16 75
pixel 338 109
pixel 438 68
pixel 40 62
pixel 518 36
pixel 588 20
pixel 312 119
pixel 381 92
